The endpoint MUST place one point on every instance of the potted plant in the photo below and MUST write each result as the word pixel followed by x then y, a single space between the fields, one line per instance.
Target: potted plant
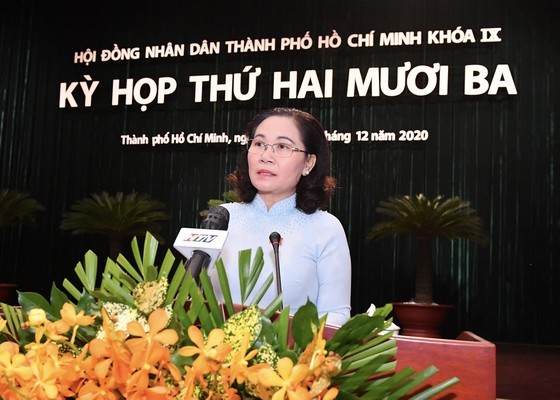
pixel 427 219
pixel 117 217
pixel 16 207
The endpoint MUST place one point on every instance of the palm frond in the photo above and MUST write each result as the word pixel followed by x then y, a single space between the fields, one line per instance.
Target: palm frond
pixel 130 215
pixel 117 217
pixel 419 216
pixel 17 207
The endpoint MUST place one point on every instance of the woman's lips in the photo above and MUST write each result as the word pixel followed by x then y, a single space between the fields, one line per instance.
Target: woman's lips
pixel 265 172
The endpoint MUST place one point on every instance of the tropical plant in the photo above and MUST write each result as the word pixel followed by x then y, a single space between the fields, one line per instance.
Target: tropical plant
pixel 17 207
pixel 427 219
pixel 150 332
pixel 118 217
pixel 227 197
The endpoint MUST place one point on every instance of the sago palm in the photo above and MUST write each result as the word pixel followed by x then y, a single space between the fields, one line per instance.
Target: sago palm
pixel 426 220
pixel 17 207
pixel 117 217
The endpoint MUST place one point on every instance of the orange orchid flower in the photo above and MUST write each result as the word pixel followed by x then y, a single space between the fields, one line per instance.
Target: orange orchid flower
pixel 239 369
pixel 210 355
pixel 149 354
pixel 71 319
pixel 14 366
pixel 44 378
pixel 111 352
pixel 76 369
pixel 97 390
pixel 289 380
pixel 157 321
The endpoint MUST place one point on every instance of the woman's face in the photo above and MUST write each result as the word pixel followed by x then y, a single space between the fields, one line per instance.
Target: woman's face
pixel 276 178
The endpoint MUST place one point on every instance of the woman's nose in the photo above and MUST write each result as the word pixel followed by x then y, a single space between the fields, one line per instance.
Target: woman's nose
pixel 266 156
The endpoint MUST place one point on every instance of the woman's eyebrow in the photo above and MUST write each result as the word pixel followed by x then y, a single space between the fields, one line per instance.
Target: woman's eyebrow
pixel 260 135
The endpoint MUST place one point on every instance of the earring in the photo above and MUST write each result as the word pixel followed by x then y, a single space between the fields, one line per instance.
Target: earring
pixel 305 172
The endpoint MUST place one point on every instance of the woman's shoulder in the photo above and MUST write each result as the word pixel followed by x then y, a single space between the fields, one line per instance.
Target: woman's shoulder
pixel 323 217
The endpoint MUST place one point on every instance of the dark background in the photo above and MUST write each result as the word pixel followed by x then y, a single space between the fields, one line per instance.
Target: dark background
pixel 499 152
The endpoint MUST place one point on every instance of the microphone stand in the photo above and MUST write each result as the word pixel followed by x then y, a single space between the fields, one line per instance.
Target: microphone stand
pixel 275 240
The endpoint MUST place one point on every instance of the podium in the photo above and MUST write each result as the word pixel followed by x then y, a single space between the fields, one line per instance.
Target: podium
pixel 468 357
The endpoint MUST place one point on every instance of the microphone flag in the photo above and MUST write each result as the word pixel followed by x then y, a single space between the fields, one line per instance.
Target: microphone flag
pixel 202 246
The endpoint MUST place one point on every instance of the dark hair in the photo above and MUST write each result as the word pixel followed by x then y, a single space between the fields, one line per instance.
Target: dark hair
pixel 312 191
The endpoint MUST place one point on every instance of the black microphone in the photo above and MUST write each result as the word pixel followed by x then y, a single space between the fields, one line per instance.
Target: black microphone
pixel 204 245
pixel 217 218
pixel 275 241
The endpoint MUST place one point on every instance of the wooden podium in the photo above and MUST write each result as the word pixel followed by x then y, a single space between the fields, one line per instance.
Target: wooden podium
pixel 469 358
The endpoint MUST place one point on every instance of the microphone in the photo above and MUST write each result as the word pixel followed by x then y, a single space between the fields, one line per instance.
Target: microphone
pixel 202 246
pixel 275 239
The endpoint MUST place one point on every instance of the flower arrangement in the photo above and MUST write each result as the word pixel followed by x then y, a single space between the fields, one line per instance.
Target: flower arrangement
pixel 152 333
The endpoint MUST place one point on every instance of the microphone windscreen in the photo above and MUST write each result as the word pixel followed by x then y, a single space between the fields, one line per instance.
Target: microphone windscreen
pixel 216 219
pixel 274 238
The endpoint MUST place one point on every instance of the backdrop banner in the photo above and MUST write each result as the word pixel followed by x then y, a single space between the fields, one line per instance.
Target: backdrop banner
pixel 426 96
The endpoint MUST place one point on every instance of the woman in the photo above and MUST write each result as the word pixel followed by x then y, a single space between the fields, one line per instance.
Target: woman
pixel 283 181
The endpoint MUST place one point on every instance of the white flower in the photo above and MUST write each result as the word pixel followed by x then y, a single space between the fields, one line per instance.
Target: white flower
pixel 121 315
pixel 393 327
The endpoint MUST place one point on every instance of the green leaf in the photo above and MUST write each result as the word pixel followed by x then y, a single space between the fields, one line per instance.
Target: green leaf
pixel 381 387
pixel 137 257
pixel 74 292
pixel 304 323
pixel 58 298
pixel 129 268
pixel 370 347
pixel 82 276
pixel 263 289
pixel 150 251
pixel 282 326
pixel 274 306
pixel 244 271
pixel 255 272
pixel 116 290
pixel 434 390
pixel 166 265
pixel 351 335
pixel 151 273
pixel 112 269
pixel 412 383
pixel 14 318
pixel 224 286
pixel 198 310
pixel 31 300
pixel 89 304
pixel 210 297
pixel 353 383
pixel 174 285
pixel 90 260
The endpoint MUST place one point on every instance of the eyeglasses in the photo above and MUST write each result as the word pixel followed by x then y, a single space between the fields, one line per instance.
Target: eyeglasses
pixel 282 150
